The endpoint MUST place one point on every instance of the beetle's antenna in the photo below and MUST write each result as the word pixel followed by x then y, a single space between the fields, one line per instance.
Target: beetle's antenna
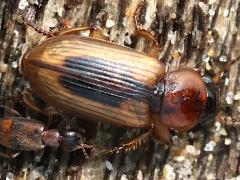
pixel 225 68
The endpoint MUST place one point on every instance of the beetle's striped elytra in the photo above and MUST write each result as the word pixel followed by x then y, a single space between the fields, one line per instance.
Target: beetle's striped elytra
pixel 101 83
pixel 99 80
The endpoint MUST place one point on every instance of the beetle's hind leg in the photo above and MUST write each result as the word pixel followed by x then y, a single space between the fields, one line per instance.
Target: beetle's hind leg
pixel 146 33
pixel 131 144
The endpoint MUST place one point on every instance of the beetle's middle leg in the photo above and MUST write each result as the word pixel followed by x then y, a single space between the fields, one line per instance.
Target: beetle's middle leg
pixel 29 15
pixel 146 33
pixel 95 31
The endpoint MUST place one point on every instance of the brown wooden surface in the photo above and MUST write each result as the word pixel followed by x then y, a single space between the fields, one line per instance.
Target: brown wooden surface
pixel 193 33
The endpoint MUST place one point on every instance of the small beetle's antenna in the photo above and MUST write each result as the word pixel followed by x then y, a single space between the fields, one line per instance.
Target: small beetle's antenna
pixel 11 98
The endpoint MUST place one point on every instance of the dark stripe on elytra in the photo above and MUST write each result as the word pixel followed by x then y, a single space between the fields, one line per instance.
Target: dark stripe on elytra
pixel 141 114
pixel 94 93
pixel 77 75
pixel 101 88
pixel 139 89
pixel 114 71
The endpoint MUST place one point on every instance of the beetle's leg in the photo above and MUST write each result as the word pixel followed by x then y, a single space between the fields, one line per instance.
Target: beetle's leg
pixel 29 102
pixel 131 144
pixel 94 31
pixel 48 111
pixel 217 75
pixel 224 120
pixel 161 133
pixel 146 33
pixel 29 20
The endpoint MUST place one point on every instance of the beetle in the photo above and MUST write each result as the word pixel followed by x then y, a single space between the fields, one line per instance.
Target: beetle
pixel 106 82
pixel 22 134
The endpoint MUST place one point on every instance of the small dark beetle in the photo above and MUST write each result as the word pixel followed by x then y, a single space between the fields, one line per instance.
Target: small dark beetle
pixel 21 134
pixel 106 82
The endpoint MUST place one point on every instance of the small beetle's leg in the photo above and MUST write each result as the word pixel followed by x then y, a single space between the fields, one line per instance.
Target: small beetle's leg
pixel 8 153
pixel 83 147
pixel 146 33
pixel 29 20
pixel 10 98
pixel 8 112
pixel 39 154
pixel 131 144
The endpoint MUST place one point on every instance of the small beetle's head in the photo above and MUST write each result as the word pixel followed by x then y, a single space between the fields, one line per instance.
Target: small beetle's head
pixel 71 140
pixel 184 100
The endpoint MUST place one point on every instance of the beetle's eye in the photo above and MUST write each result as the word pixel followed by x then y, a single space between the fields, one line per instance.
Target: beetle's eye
pixel 211 104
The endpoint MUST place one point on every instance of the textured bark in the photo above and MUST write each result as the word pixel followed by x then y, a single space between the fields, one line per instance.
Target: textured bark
pixel 202 34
